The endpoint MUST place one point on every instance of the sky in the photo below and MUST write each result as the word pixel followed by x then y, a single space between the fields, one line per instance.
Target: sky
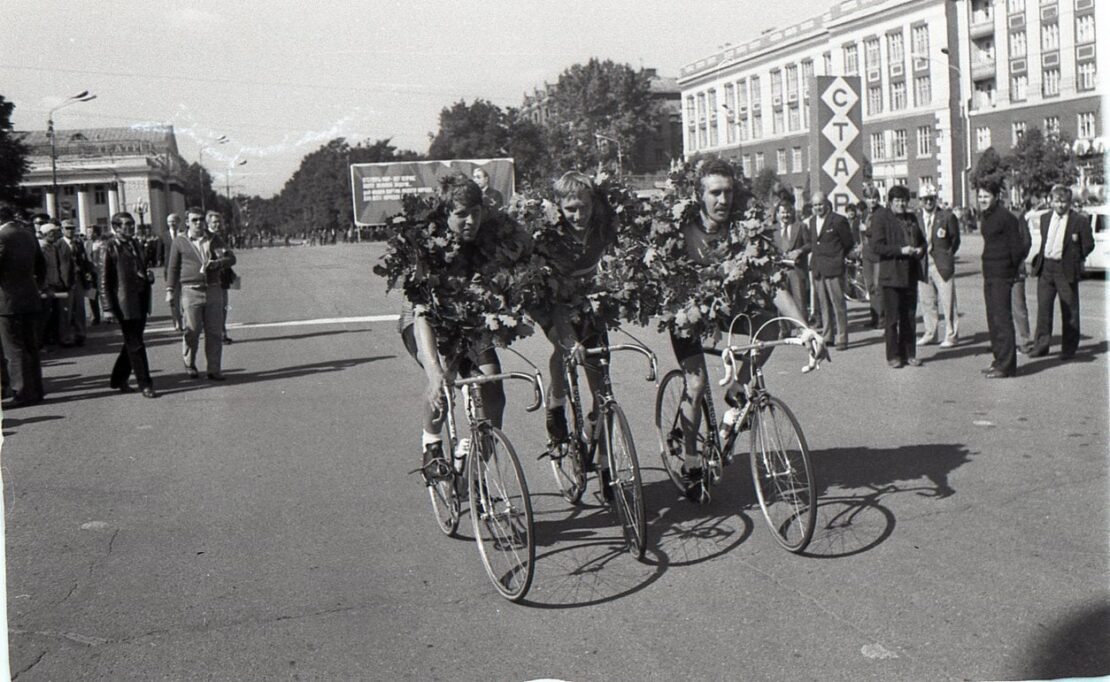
pixel 280 79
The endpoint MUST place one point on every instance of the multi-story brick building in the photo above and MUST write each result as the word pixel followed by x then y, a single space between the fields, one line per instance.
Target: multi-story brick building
pixel 927 68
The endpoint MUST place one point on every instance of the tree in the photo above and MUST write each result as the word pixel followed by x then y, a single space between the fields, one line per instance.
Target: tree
pixel 528 149
pixel 13 158
pixel 598 98
pixel 764 183
pixel 989 168
pixel 471 131
pixel 1037 162
pixel 198 187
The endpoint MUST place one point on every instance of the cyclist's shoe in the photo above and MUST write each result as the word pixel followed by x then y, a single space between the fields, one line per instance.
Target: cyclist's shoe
pixel 694 480
pixel 606 483
pixel 557 425
pixel 435 466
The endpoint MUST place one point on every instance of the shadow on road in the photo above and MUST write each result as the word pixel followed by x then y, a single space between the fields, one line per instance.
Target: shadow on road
pixel 305 335
pixel 1074 648
pixel 11 422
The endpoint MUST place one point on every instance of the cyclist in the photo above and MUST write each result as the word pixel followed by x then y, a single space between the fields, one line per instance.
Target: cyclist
pixel 716 195
pixel 480 232
pixel 585 231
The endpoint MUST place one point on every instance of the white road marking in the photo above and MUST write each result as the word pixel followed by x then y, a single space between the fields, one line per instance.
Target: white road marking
pixel 877 651
pixel 298 323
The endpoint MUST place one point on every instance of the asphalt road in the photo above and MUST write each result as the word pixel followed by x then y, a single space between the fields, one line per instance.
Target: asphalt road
pixel 267 528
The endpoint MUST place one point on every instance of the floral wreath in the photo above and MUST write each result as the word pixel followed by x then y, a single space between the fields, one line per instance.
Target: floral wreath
pixel 466 291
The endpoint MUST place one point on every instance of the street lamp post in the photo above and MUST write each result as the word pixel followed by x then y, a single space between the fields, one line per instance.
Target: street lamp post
pixel 82 96
pixel 965 115
pixel 222 139
pixel 140 207
pixel 620 153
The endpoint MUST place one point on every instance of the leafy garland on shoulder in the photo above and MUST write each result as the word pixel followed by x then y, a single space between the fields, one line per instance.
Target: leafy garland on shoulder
pixel 739 276
pixel 465 290
pixel 608 297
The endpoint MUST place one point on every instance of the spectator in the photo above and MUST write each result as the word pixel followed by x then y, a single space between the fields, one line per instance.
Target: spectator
pixel 196 259
pixel 125 282
pixel 79 280
pixel 871 198
pixel 792 238
pixel 94 246
pixel 942 241
pixel 1066 241
pixel 173 228
pixel 831 242
pixel 59 272
pixel 490 196
pixel 22 275
pixel 215 225
pixel 897 241
pixel 1004 249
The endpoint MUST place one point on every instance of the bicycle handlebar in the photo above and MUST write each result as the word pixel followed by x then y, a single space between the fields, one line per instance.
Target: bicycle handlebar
pixel 653 372
pixel 535 379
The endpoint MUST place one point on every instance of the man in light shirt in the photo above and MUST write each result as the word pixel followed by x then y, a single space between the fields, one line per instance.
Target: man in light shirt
pixel 1066 240
pixel 942 241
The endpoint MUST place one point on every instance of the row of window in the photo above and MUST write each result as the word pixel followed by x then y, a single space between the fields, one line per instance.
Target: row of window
pixel 895 50
pixel 986 94
pixel 1086 127
pixel 892 145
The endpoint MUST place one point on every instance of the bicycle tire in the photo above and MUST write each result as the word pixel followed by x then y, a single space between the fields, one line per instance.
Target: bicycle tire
pixel 567 467
pixel 782 474
pixel 501 515
pixel 625 480
pixel 668 401
pixel 444 494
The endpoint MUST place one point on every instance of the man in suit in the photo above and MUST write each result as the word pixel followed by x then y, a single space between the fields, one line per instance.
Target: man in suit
pixel 831 242
pixel 897 240
pixel 1004 250
pixel 80 278
pixel 792 238
pixel 125 283
pixel 22 276
pixel 942 241
pixel 1066 241
pixel 173 228
pixel 490 196
pixel 59 279
pixel 871 199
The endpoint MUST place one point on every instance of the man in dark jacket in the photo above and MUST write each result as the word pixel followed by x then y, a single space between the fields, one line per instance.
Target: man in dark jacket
pixel 871 198
pixel 22 277
pixel 831 242
pixel 1066 241
pixel 125 296
pixel 1003 252
pixel 942 241
pixel 897 240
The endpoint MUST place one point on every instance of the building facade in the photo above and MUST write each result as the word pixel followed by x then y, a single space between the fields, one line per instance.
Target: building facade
pixel 929 85
pixel 100 171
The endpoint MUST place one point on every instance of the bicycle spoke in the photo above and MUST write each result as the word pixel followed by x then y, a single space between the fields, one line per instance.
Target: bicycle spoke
pixel 782 475
pixel 625 483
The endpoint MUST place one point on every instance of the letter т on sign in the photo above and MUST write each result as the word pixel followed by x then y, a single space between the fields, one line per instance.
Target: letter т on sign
pixel 836 139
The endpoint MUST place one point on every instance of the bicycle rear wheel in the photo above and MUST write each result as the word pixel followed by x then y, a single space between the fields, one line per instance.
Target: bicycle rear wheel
pixel 566 465
pixel 444 494
pixel 625 481
pixel 668 425
pixel 501 514
pixel 782 474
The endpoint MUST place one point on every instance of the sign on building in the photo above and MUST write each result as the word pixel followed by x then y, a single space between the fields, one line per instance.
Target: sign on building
pixel 377 188
pixel 836 123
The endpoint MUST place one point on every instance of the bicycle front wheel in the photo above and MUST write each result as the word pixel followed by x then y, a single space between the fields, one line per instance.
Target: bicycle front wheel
pixel 624 480
pixel 668 426
pixel 501 514
pixel 444 496
pixel 782 475
pixel 566 465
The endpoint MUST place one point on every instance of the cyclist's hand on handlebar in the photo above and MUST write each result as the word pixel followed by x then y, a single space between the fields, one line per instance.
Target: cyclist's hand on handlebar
pixel 818 351
pixel 577 353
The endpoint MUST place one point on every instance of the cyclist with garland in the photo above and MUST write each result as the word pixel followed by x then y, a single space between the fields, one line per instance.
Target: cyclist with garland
pixel 717 197
pixel 571 247
pixel 474 244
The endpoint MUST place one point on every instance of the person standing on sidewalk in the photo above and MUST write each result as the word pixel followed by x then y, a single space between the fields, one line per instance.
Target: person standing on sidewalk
pixel 942 241
pixel 1004 249
pixel 125 282
pixel 897 240
pixel 22 276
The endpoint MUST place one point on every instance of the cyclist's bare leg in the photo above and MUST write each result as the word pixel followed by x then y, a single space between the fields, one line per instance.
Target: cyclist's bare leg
pixel 695 373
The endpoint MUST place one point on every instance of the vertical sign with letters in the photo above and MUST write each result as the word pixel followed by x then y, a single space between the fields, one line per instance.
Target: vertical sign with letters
pixel 836 139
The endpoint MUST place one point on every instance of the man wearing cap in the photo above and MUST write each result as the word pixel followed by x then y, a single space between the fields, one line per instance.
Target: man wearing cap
pixel 942 241
pixel 897 240
pixel 1066 241
pixel 22 276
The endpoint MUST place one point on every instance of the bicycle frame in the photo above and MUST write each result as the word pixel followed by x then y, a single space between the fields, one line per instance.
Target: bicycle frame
pixel 604 397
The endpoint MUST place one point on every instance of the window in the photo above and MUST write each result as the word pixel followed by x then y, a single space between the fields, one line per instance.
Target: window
pixel 757 126
pixel 925 141
pixel 1019 85
pixel 742 95
pixel 982 138
pixel 796 156
pixel 730 113
pixel 703 139
pixel 983 51
pixel 776 85
pixel 871 53
pixel 758 161
pixel 827 58
pixel 1050 37
pixel 878 147
pixel 1086 76
pixel 982 11
pixel 793 120
pixel 1085 29
pixel 757 95
pixel 921 40
pixel 923 91
pixel 898 146
pixel 1086 124
pixel 1016 6
pixel 985 95
pixel 874 100
pixel 807 73
pixel 100 196
pixel 776 122
pixel 1017 44
pixel 895 48
pixel 851 59
pixel 780 161
pixel 1050 82
pixel 898 96
pixel 1017 131
pixel 1052 126
pixel 746 165
pixel 791 80
pixel 742 126
pixel 713 118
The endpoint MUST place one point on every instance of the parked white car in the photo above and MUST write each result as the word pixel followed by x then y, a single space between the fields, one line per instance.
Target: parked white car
pixel 1099 259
